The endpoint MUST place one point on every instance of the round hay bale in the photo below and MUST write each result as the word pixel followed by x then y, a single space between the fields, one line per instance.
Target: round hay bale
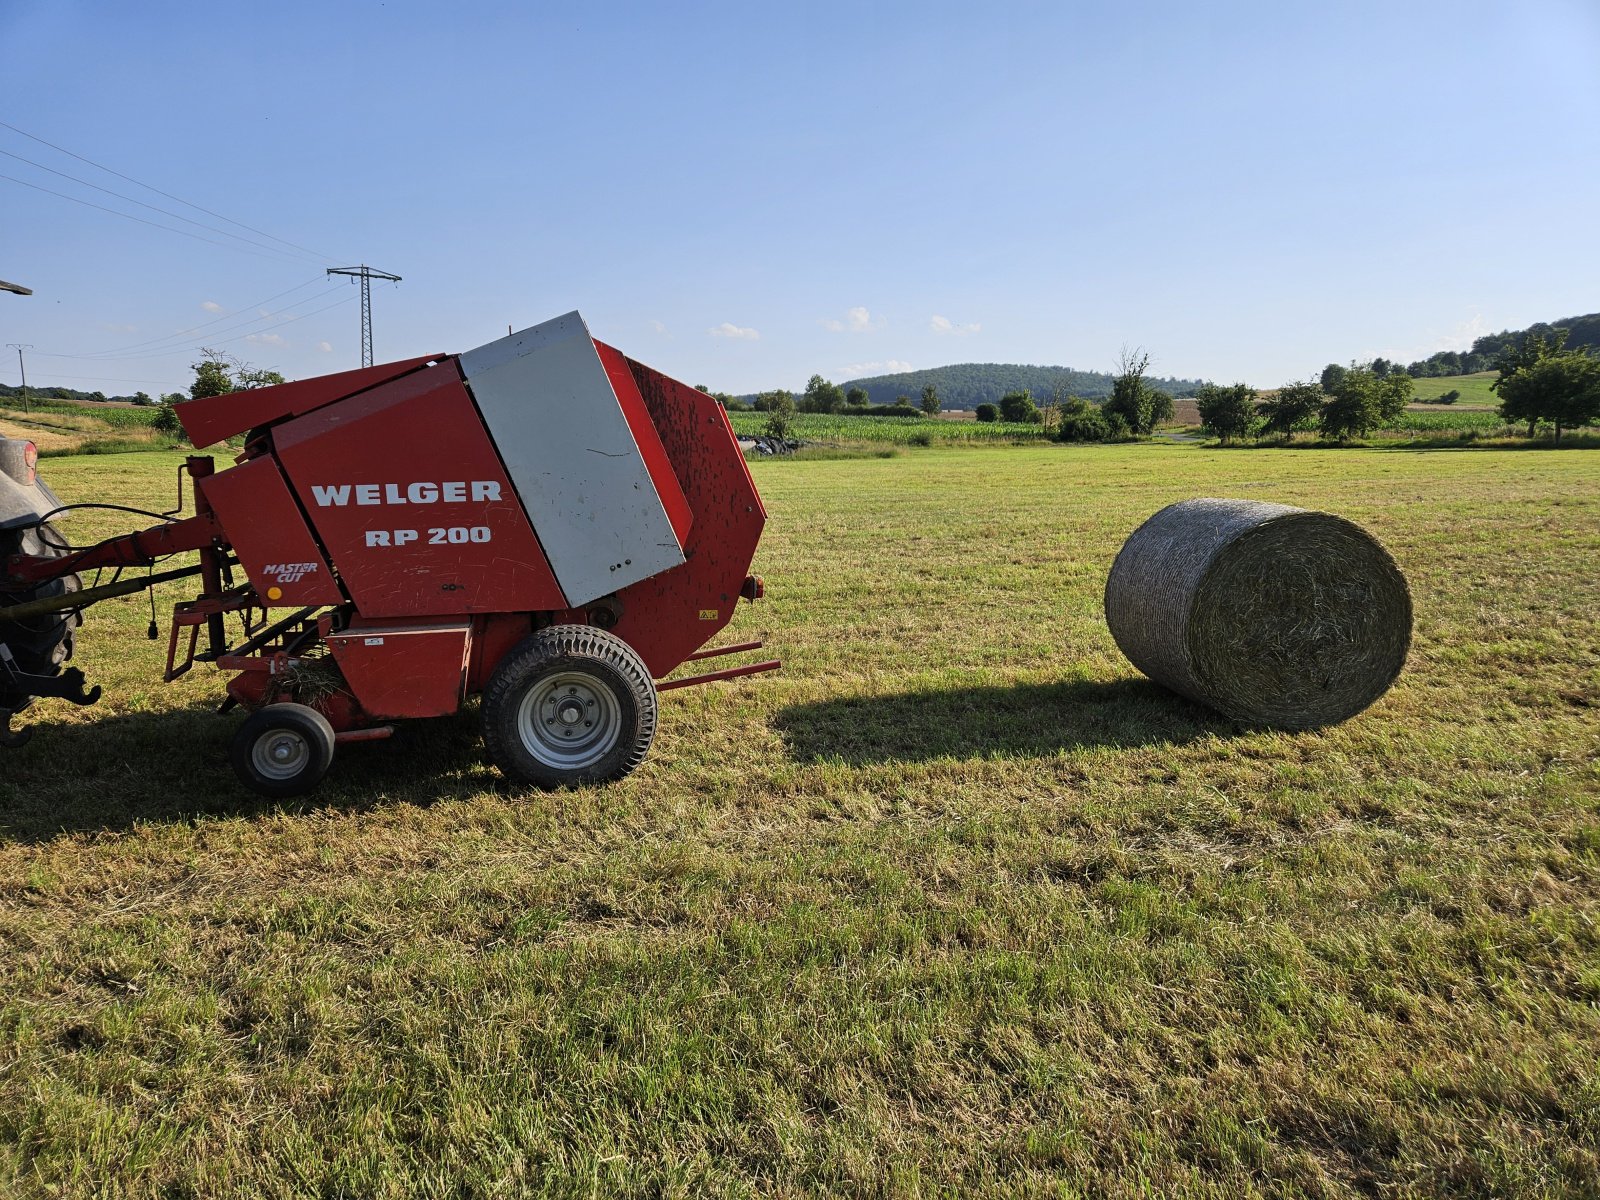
pixel 1271 615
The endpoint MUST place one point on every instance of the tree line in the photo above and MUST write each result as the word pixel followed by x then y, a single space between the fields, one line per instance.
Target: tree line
pixel 1543 380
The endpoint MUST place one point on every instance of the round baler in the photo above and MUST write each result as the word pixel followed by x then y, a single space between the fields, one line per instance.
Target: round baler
pixel 542 522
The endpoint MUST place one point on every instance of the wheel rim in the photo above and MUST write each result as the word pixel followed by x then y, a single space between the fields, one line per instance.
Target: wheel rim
pixel 569 720
pixel 280 754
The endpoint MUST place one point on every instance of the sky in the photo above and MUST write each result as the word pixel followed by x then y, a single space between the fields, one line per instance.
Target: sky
pixel 742 195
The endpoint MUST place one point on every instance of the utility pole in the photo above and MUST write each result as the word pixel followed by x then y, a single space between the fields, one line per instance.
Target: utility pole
pixel 19 347
pixel 366 274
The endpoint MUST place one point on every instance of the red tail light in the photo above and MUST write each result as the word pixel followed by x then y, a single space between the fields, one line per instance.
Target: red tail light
pixel 30 459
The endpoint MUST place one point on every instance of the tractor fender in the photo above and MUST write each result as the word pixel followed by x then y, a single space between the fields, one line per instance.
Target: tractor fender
pixel 20 502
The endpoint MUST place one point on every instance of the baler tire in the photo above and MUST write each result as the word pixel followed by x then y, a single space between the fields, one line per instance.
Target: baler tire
pixel 570 705
pixel 282 750
pixel 41 646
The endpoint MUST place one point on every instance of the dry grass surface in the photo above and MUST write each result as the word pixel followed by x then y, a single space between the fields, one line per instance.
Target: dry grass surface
pixel 954 905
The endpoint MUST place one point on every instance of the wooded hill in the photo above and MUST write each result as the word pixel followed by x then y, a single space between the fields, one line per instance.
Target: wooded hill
pixel 1581 331
pixel 967 385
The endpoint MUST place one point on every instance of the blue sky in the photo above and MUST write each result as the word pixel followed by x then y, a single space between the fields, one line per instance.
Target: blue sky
pixel 742 195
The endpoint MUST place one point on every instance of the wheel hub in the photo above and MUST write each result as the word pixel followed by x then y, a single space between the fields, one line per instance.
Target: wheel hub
pixel 569 720
pixel 281 754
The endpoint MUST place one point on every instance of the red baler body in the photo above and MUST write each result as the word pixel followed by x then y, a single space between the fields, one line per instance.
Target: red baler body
pixel 427 516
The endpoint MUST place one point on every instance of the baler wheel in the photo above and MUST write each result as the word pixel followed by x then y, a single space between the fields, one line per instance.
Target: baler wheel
pixel 571 705
pixel 282 750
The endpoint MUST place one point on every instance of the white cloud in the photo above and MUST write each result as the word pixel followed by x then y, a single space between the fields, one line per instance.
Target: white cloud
pixel 1460 338
pixel 893 366
pixel 729 330
pixel 856 320
pixel 659 326
pixel 325 347
pixel 211 306
pixel 267 339
pixel 943 325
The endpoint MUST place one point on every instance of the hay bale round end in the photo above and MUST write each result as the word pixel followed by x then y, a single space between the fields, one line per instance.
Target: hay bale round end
pixel 1271 615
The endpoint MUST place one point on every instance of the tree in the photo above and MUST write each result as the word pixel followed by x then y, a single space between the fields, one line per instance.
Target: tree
pixel 213 375
pixel 166 421
pixel 821 396
pixel 1229 412
pixel 1518 355
pixel 764 401
pixel 986 412
pixel 217 374
pixel 143 399
pixel 858 397
pixel 780 413
pixel 1294 406
pixel 1362 402
pixel 930 400
pixel 1562 388
pixel 1139 406
pixel 1019 407
pixel 1331 376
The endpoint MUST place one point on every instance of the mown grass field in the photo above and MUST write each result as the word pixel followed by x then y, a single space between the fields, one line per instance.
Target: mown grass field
pixel 954 905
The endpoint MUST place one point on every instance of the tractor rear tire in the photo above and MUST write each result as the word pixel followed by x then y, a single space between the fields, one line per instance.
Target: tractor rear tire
pixel 571 705
pixel 282 750
pixel 39 646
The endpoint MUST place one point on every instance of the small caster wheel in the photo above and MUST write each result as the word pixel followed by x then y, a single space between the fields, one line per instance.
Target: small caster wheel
pixel 282 750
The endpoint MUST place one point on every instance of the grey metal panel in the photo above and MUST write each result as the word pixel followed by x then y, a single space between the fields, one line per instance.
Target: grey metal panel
pixel 566 444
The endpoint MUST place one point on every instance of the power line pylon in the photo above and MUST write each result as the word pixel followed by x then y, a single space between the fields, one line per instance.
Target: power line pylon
pixel 19 347
pixel 366 274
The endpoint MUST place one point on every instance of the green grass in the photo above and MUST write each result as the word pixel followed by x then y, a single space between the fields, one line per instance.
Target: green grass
pixel 955 904
pixel 903 431
pixel 1474 389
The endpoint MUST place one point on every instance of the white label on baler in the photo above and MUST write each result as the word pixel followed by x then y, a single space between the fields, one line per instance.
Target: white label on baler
pixel 289 572
pixel 372 641
pixel 338 495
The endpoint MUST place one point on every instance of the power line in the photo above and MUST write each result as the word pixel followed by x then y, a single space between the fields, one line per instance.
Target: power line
pixel 239 337
pixel 159 192
pixel 153 208
pixel 275 255
pixel 178 341
pixel 104 378
pixel 194 328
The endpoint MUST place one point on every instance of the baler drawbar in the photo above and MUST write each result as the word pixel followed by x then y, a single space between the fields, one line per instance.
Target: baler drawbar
pixel 542 522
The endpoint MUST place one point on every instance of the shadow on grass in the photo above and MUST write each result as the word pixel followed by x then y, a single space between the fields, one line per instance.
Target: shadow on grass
pixel 112 774
pixel 1028 720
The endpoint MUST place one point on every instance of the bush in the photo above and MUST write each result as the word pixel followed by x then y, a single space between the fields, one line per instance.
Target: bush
pixel 1085 426
pixel 166 422
pixel 1449 397
pixel 987 412
pixel 1019 408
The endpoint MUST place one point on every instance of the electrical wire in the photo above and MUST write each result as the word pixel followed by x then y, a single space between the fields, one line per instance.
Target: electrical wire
pixel 274 256
pixel 118 351
pixel 181 347
pixel 159 192
pixel 182 342
pixel 153 208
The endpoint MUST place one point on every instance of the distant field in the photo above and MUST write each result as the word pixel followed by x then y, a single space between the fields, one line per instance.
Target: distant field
pixel 62 426
pixel 830 427
pixel 1474 389
pixel 956 904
